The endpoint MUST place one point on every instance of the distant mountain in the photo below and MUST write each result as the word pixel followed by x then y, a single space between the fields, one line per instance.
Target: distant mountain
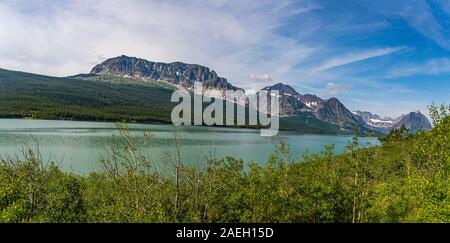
pixel 283 89
pixel 330 111
pixel 335 112
pixel 311 100
pixel 375 120
pixel 413 121
pixel 176 73
pixel 367 115
pixel 289 99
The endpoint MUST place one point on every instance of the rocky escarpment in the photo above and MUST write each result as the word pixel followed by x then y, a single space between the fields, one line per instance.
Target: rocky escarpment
pixel 176 73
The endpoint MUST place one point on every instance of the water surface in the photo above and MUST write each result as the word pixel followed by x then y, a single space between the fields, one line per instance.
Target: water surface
pixel 79 146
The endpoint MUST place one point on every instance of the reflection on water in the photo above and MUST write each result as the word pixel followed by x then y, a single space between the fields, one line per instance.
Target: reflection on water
pixel 80 145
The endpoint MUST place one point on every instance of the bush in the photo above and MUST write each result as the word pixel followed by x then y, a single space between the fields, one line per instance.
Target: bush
pixel 403 180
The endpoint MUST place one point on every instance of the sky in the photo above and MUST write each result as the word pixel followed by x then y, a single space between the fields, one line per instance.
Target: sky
pixel 387 57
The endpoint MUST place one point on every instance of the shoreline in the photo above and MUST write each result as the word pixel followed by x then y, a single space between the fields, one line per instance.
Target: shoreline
pixel 159 122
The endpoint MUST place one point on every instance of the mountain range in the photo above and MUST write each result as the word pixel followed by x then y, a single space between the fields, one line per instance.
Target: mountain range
pixel 133 89
pixel 414 121
pixel 292 103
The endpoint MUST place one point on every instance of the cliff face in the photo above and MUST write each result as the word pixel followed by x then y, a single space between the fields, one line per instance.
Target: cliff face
pixel 177 73
pixel 335 112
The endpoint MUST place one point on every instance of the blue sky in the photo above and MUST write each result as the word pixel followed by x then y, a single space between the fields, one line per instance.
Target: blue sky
pixel 388 57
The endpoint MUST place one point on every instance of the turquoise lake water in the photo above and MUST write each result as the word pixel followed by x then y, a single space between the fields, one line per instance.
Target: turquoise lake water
pixel 79 146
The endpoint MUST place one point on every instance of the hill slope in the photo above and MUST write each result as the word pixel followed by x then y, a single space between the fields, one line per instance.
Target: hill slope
pixel 30 95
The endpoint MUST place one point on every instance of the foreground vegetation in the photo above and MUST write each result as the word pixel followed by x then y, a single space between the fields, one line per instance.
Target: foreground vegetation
pixel 406 179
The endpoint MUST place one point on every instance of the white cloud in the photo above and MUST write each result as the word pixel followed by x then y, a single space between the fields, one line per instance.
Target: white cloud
pixel 334 89
pixel 356 57
pixel 431 67
pixel 420 16
pixel 265 78
pixel 393 111
pixel 68 37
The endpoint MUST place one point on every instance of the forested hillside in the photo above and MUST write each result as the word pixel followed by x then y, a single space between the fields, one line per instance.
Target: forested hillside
pixel 24 95
pixel 405 179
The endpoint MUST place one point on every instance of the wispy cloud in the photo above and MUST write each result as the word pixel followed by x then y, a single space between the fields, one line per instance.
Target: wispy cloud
pixel 394 111
pixel 431 67
pixel 334 88
pixel 356 57
pixel 228 36
pixel 420 16
pixel 265 78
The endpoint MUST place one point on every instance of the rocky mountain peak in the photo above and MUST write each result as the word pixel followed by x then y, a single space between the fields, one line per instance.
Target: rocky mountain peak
pixel 290 105
pixel 375 120
pixel 284 89
pixel 293 103
pixel 414 121
pixel 177 73
pixel 334 111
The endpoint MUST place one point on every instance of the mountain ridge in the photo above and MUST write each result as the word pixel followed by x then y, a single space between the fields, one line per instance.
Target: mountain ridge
pixel 413 121
pixel 331 110
pixel 177 73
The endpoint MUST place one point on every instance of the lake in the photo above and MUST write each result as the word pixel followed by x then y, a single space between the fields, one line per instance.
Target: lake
pixel 79 146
